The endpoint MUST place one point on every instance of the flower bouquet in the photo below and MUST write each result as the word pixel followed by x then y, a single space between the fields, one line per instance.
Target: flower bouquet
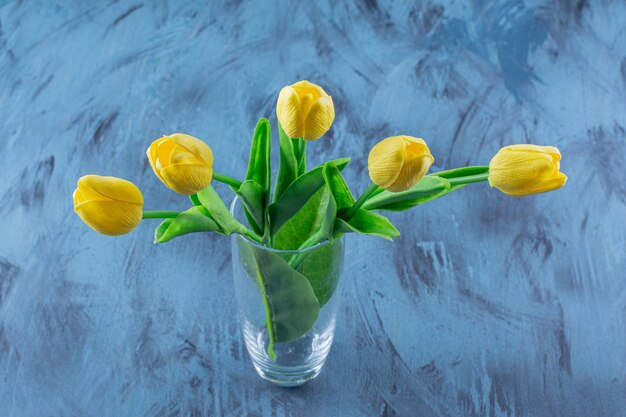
pixel 287 239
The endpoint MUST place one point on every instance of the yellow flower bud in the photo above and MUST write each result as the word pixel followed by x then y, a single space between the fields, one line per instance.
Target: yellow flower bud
pixel 109 205
pixel 520 170
pixel 182 162
pixel 304 110
pixel 399 162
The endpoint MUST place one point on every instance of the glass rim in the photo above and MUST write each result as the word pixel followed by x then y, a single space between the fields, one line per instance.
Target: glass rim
pixel 233 205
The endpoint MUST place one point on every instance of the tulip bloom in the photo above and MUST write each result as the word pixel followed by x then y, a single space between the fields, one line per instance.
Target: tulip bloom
pixel 519 170
pixel 399 162
pixel 304 110
pixel 182 162
pixel 109 205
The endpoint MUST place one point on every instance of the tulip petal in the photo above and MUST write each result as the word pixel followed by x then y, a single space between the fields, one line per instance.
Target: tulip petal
pixel 289 114
pixel 96 187
pixel 319 118
pixel 412 172
pixel 89 193
pixel 551 184
pixel 194 146
pixel 164 150
pixel 153 159
pixel 110 217
pixel 78 197
pixel 415 148
pixel 385 161
pixel 306 102
pixel 551 150
pixel 306 87
pixel 187 179
pixel 181 156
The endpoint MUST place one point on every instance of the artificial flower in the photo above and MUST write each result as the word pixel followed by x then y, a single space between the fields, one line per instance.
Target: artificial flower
pixel 109 205
pixel 520 170
pixel 399 162
pixel 182 162
pixel 304 110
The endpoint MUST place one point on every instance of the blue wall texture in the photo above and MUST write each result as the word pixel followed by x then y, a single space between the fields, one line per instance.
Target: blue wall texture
pixel 486 306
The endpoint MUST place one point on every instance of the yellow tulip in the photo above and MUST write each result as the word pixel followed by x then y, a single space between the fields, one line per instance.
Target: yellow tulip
pixel 520 170
pixel 182 162
pixel 109 205
pixel 304 110
pixel 399 162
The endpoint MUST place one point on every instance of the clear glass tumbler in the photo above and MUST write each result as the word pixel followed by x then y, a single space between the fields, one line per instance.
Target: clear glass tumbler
pixel 288 302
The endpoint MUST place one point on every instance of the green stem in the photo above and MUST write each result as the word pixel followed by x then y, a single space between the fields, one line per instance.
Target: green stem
pixel 226 180
pixel 463 171
pixel 299 148
pixel 469 179
pixel 266 239
pixel 160 214
pixel 362 199
pixel 297 259
pixel 250 234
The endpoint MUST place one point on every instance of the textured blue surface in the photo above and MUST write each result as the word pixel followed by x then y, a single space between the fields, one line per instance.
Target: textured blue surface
pixel 486 306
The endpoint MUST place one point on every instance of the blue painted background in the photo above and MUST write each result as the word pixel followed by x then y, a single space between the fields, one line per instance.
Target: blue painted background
pixel 486 306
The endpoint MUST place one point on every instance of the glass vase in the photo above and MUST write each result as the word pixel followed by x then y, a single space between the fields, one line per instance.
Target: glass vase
pixel 288 303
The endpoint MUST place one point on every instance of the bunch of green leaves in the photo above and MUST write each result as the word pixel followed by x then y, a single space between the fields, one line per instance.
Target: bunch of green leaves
pixel 307 208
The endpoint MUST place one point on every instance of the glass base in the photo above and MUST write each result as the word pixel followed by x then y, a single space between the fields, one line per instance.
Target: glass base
pixel 296 363
pixel 288 377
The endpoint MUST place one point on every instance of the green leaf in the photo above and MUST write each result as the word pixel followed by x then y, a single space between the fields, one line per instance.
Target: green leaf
pixel 298 194
pixel 304 223
pixel 337 185
pixel 322 267
pixel 290 302
pixel 254 191
pixel 367 223
pixel 287 166
pixel 327 223
pixel 259 169
pixel 429 188
pixel 253 197
pixel 196 219
pixel 218 211
pixel 246 257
